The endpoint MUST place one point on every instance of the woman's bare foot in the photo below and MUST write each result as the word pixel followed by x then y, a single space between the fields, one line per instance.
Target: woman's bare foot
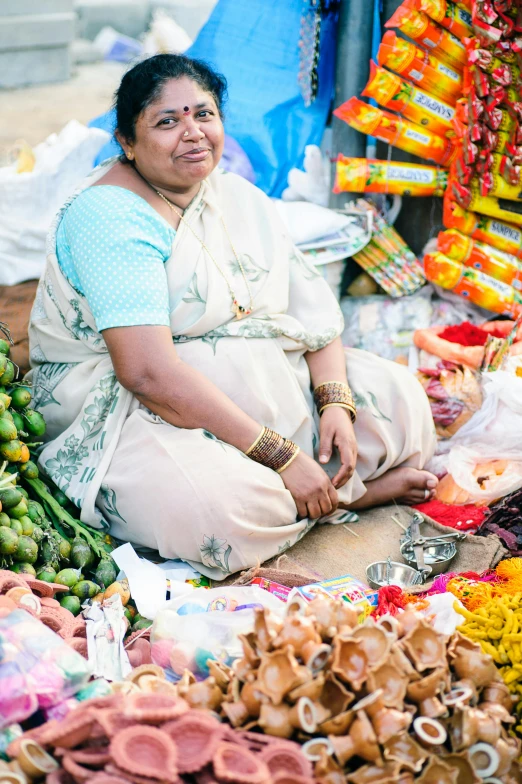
pixel 403 485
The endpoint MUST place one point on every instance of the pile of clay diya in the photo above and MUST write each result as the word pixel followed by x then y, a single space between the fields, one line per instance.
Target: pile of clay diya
pixel 39 599
pixel 148 738
pixel 382 701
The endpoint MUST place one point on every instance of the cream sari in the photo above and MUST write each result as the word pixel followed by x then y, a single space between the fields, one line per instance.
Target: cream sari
pixel 184 492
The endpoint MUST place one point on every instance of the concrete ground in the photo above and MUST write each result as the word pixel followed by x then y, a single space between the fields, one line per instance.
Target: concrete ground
pixel 32 113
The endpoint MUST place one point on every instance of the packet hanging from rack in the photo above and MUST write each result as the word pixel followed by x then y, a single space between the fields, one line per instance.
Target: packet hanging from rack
pixel 365 175
pixel 420 67
pixel 480 289
pixel 497 233
pixel 411 102
pixel 449 15
pixel 419 27
pixel 472 253
pixel 397 131
pixel 470 199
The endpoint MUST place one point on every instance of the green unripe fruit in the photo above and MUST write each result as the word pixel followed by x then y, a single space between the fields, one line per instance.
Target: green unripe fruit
pixel 29 470
pixel 10 497
pixel 37 534
pixel 27 525
pixel 85 589
pixel 9 374
pixel 8 541
pixel 19 510
pixel 71 603
pixel 46 573
pixel 20 397
pixel 8 431
pixel 24 568
pixel 27 550
pixel 17 526
pixel 68 577
pixel 5 347
pixel 5 519
pixel 34 422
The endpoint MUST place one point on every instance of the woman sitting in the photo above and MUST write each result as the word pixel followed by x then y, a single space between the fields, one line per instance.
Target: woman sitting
pixel 188 357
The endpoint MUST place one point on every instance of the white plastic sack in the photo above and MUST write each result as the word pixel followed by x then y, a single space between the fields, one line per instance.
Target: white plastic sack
pixel 307 223
pixel 29 202
pixel 165 36
pixel 312 184
pixel 492 433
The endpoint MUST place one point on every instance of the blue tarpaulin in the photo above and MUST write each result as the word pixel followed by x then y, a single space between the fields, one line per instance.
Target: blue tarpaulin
pixel 255 44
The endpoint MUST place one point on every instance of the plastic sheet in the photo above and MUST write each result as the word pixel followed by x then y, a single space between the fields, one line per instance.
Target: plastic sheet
pixel 37 668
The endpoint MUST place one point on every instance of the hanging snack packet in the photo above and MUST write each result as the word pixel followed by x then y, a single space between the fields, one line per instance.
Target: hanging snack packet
pixel 469 198
pixel 391 91
pixel 362 175
pixel 480 289
pixel 503 236
pixel 448 15
pixel 493 262
pixel 428 34
pixel 421 68
pixel 394 130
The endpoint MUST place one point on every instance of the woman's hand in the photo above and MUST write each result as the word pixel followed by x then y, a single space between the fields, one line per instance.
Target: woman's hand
pixel 336 430
pixel 310 486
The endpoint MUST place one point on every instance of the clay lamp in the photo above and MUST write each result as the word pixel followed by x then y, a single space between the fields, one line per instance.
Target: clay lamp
pixel 337 725
pixel 484 760
pixel 375 774
pixel 204 695
pixel 315 655
pixel 311 689
pixel 430 732
pixel 139 652
pixel 316 748
pixel 79 645
pixel 281 720
pixel 291 778
pixel 123 688
pixel 6 606
pixel 424 694
pixel 335 697
pixel 10 580
pixel 145 669
pixel 327 770
pixel 386 722
pixel 398 659
pixel 236 713
pixel 297 631
pixel 17 592
pixel 101 778
pixel 438 772
pixel 151 684
pixel 91 756
pixel 263 634
pixel 34 761
pixel 145 751
pixel 350 662
pixel 508 750
pixel 238 765
pixel 71 732
pixel 462 764
pixel 154 708
pixel 57 620
pixel 498 692
pixel 469 725
pixel 361 741
pixel 8 777
pixel 220 672
pixel 470 663
pixel 196 736
pixel 405 777
pixel 425 647
pixel 282 758
pixel 390 624
pixel 497 712
pixel 403 749
pixel 459 696
pixel 79 773
pixel 408 620
pixel 376 643
pixel 278 674
pixel 392 682
pixel 324 613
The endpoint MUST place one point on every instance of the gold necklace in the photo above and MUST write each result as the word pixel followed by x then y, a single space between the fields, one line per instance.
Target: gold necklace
pixel 238 310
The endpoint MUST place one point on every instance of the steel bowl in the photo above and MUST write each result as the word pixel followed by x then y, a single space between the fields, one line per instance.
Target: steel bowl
pixel 377 574
pixel 437 556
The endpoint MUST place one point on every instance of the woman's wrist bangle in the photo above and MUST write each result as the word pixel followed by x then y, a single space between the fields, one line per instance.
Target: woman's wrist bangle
pixel 351 409
pixel 334 393
pixel 272 450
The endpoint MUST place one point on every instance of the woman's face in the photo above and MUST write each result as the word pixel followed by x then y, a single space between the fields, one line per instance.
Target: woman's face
pixel 179 137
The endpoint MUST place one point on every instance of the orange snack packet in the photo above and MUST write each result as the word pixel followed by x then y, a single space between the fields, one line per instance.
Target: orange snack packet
pixel 391 91
pixel 478 288
pixel 448 15
pixel 362 175
pixel 394 130
pixel 504 236
pixel 472 253
pixel 418 26
pixel 421 68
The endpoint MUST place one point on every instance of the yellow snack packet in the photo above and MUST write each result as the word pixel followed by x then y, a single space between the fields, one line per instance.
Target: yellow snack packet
pixel 364 175
pixel 504 236
pixel 391 91
pixel 448 15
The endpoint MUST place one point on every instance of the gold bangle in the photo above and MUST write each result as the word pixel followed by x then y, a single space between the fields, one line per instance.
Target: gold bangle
pixel 289 462
pixel 351 409
pixel 256 442
pixel 324 383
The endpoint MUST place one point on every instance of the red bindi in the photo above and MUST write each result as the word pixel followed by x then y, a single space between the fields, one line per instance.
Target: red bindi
pixel 186 110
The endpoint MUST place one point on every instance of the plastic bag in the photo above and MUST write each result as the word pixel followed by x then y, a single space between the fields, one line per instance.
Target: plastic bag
pixel 37 668
pixel 454 394
pixel 483 481
pixel 206 625
pixel 29 201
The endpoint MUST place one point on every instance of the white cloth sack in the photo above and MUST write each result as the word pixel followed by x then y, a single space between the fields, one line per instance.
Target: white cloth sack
pixel 29 201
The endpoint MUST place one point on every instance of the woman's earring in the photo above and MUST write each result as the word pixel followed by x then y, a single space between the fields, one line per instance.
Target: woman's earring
pixel 129 156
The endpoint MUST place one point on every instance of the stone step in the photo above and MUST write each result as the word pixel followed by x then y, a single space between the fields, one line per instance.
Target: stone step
pixel 130 17
pixel 36 30
pixel 22 7
pixel 34 66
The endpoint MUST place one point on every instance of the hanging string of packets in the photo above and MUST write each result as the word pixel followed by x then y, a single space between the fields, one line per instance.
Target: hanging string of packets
pixel 387 258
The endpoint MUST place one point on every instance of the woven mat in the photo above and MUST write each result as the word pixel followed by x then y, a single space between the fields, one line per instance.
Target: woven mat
pixel 330 550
